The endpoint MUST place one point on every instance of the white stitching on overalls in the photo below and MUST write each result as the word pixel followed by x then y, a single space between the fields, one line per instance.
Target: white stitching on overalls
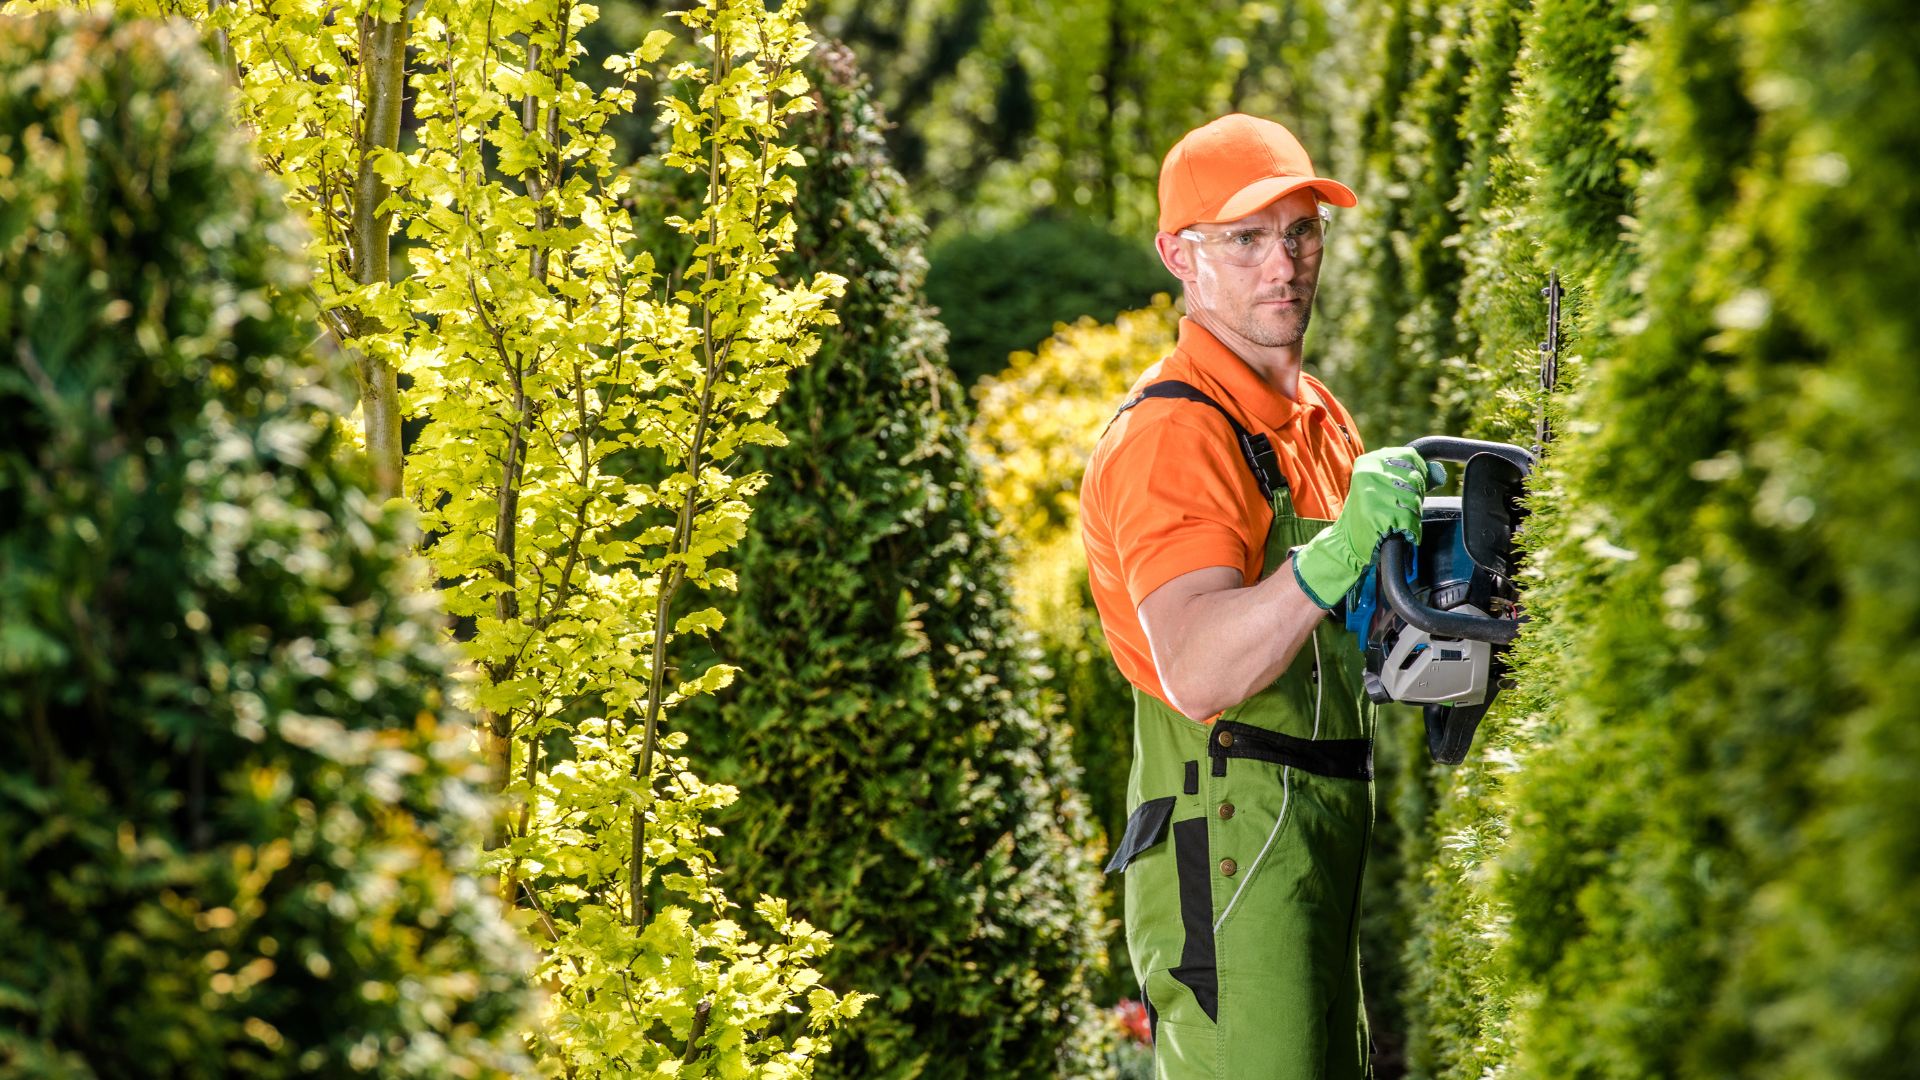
pixel 1286 790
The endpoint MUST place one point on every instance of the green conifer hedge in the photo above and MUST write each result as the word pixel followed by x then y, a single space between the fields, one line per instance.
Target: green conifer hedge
pixel 900 780
pixel 1684 844
pixel 233 806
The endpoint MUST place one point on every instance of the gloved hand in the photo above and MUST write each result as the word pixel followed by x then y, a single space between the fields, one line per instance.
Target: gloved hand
pixel 1383 497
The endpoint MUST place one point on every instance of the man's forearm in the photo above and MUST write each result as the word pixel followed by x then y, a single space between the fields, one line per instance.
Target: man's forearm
pixel 1223 646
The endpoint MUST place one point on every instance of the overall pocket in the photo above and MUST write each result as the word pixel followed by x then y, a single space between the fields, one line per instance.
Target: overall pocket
pixel 1146 826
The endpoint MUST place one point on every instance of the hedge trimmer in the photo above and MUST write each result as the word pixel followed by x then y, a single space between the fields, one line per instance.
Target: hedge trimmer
pixel 1435 622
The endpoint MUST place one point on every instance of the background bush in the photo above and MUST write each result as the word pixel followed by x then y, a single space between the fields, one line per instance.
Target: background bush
pixel 234 808
pixel 1036 426
pixel 1001 292
pixel 900 780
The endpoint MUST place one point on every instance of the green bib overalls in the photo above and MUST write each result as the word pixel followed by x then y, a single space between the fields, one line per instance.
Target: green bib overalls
pixel 1243 854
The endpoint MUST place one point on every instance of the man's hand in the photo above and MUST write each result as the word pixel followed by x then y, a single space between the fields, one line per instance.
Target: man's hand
pixel 1383 498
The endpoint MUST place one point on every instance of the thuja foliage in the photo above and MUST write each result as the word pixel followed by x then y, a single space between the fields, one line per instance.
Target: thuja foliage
pixel 1678 848
pixel 1761 719
pixel 582 410
pixel 1504 148
pixel 1522 141
pixel 901 781
pixel 1407 64
pixel 237 816
pixel 1831 977
pixel 1361 288
pixel 1500 315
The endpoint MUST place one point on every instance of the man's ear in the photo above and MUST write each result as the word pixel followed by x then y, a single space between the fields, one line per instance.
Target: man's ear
pixel 1175 256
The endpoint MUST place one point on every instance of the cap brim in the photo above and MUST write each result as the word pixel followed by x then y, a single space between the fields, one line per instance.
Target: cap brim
pixel 1257 195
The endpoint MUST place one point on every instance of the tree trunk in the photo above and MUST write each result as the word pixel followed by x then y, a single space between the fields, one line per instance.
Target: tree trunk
pixel 383 64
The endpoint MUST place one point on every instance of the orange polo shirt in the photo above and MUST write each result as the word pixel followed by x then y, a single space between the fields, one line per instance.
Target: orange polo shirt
pixel 1167 492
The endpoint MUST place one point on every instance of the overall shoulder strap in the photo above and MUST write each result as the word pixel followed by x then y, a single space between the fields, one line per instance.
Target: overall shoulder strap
pixel 1255 449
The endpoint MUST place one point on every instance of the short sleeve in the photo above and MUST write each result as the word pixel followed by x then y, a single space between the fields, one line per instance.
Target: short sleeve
pixel 1179 499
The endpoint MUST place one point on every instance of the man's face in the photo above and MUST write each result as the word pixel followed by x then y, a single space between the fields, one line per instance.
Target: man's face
pixel 1268 304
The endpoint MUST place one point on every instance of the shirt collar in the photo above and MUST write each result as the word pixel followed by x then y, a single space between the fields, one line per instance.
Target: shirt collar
pixel 1241 382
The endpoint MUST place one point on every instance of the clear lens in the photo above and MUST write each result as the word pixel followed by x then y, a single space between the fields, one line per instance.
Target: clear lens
pixel 1253 246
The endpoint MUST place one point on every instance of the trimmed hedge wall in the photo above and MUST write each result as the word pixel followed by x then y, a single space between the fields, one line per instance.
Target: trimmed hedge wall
pixel 234 806
pixel 1685 838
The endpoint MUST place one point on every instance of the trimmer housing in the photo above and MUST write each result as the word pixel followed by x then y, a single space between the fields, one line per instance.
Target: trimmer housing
pixel 1434 624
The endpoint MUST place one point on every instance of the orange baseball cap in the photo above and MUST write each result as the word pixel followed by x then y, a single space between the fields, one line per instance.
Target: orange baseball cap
pixel 1233 166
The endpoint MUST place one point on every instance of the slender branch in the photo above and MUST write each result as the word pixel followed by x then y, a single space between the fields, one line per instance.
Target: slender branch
pixel 223 45
pixel 584 439
pixel 497 726
pixel 699 1028
pixel 526 807
pixel 383 57
pixel 546 921
pixel 674 572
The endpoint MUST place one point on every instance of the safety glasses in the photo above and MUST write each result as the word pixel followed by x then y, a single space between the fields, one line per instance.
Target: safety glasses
pixel 1252 245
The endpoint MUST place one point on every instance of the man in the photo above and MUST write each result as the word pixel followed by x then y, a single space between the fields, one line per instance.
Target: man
pixel 1226 508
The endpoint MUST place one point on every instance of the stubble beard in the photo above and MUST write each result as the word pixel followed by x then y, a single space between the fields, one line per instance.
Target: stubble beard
pixel 1291 328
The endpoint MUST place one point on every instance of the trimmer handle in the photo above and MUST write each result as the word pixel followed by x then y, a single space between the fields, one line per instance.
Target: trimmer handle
pixel 1448 448
pixel 1396 555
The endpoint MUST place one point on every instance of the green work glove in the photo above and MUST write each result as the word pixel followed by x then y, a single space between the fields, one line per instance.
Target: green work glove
pixel 1383 497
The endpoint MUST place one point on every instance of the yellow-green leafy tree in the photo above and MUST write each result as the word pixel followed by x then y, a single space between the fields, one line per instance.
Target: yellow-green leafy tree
pixel 582 409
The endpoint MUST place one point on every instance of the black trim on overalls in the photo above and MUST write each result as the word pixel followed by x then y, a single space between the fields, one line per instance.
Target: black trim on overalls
pixel 1193 865
pixel 1146 826
pixel 1341 759
pixel 1256 449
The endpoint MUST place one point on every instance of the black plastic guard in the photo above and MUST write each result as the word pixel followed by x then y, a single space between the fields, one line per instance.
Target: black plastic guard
pixel 1491 511
pixel 1450 728
pixel 1450 731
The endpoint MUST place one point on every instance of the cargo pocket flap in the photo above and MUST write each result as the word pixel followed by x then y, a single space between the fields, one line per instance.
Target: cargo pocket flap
pixel 1146 826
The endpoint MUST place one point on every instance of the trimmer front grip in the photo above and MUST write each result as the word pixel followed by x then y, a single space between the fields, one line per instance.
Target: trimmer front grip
pixel 1396 556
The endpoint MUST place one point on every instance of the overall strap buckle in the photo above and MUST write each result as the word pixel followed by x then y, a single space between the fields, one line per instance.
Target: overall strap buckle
pixel 1257 450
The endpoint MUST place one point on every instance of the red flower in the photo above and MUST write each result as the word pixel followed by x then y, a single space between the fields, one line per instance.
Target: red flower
pixel 1132 1018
